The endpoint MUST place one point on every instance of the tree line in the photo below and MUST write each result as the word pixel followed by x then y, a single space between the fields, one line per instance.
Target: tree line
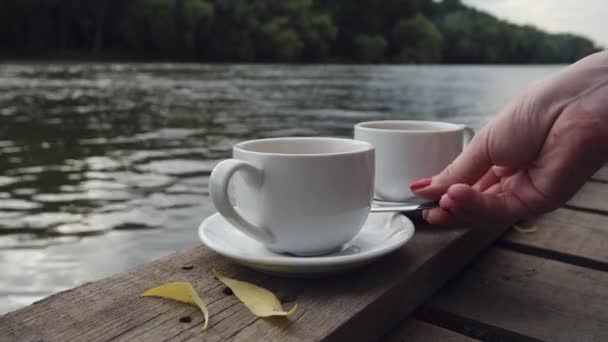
pixel 353 31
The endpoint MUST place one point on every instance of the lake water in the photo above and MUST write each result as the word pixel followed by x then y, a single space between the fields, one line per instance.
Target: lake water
pixel 105 166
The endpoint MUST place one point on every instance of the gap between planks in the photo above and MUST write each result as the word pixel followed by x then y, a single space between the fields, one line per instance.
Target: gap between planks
pixel 506 293
pixel 416 330
pixel 601 174
pixel 566 236
pixel 592 197
pixel 575 236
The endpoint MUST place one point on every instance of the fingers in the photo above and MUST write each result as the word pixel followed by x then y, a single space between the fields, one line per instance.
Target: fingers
pixel 514 138
pixel 494 189
pixel 488 180
pixel 464 205
pixel 439 217
pixel 492 177
pixel 469 167
pixel 553 134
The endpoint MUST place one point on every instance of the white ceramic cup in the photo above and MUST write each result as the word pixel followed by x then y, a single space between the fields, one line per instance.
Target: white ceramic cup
pixel 410 150
pixel 304 196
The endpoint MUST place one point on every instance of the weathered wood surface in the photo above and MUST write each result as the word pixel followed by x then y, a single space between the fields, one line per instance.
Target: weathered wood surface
pixel 549 285
pixel 505 295
pixel 592 197
pixel 568 235
pixel 415 330
pixel 362 305
pixel 602 174
pixel 508 295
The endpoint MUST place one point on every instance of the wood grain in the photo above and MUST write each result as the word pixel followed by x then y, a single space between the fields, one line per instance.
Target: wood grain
pixel 592 197
pixel 357 306
pixel 415 330
pixel 576 234
pixel 526 296
pixel 568 235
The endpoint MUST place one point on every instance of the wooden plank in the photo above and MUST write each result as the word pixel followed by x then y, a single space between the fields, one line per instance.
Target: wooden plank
pixel 415 330
pixel 592 197
pixel 602 174
pixel 355 306
pixel 526 296
pixel 568 235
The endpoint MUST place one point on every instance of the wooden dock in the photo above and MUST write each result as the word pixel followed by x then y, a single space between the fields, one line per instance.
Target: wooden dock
pixel 445 285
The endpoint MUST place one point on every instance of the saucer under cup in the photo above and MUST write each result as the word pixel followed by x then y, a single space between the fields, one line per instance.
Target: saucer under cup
pixel 381 234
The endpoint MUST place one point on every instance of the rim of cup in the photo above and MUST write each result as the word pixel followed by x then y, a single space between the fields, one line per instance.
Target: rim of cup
pixel 350 146
pixel 417 126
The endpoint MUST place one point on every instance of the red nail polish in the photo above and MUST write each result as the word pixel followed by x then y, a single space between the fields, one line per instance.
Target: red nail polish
pixel 421 183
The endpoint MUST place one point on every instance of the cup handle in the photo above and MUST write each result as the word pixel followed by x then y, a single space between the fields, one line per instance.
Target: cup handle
pixel 469 133
pixel 218 188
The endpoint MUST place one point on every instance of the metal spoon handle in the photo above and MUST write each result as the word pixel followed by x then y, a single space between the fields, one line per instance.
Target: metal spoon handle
pixel 404 208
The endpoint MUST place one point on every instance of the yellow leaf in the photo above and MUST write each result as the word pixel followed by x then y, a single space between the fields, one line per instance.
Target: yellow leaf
pixel 259 301
pixel 525 228
pixel 181 292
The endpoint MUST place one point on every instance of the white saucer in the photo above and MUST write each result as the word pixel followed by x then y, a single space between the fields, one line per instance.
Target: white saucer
pixel 382 233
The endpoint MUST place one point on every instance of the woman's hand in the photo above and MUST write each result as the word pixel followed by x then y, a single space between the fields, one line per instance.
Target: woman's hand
pixel 533 156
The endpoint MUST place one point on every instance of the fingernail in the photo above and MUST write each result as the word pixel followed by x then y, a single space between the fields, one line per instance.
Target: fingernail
pixel 425 213
pixel 421 183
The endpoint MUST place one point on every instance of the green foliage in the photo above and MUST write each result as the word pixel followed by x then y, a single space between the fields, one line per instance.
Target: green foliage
pixel 287 30
pixel 404 31
pixel 150 24
pixel 418 40
pixel 472 36
pixel 195 17
pixel 281 40
pixel 370 47
pixel 318 33
pixel 165 25
pixel 359 18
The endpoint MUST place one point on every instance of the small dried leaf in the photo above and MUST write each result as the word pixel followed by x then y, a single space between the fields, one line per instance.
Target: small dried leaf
pixel 181 292
pixel 259 301
pixel 525 228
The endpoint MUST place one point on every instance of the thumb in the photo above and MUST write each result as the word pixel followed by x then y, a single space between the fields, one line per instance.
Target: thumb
pixel 470 166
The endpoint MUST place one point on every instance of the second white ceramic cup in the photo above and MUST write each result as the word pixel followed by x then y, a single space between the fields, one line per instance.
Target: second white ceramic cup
pixel 410 150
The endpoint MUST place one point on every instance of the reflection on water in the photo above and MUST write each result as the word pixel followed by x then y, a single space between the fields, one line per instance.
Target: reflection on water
pixel 104 166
